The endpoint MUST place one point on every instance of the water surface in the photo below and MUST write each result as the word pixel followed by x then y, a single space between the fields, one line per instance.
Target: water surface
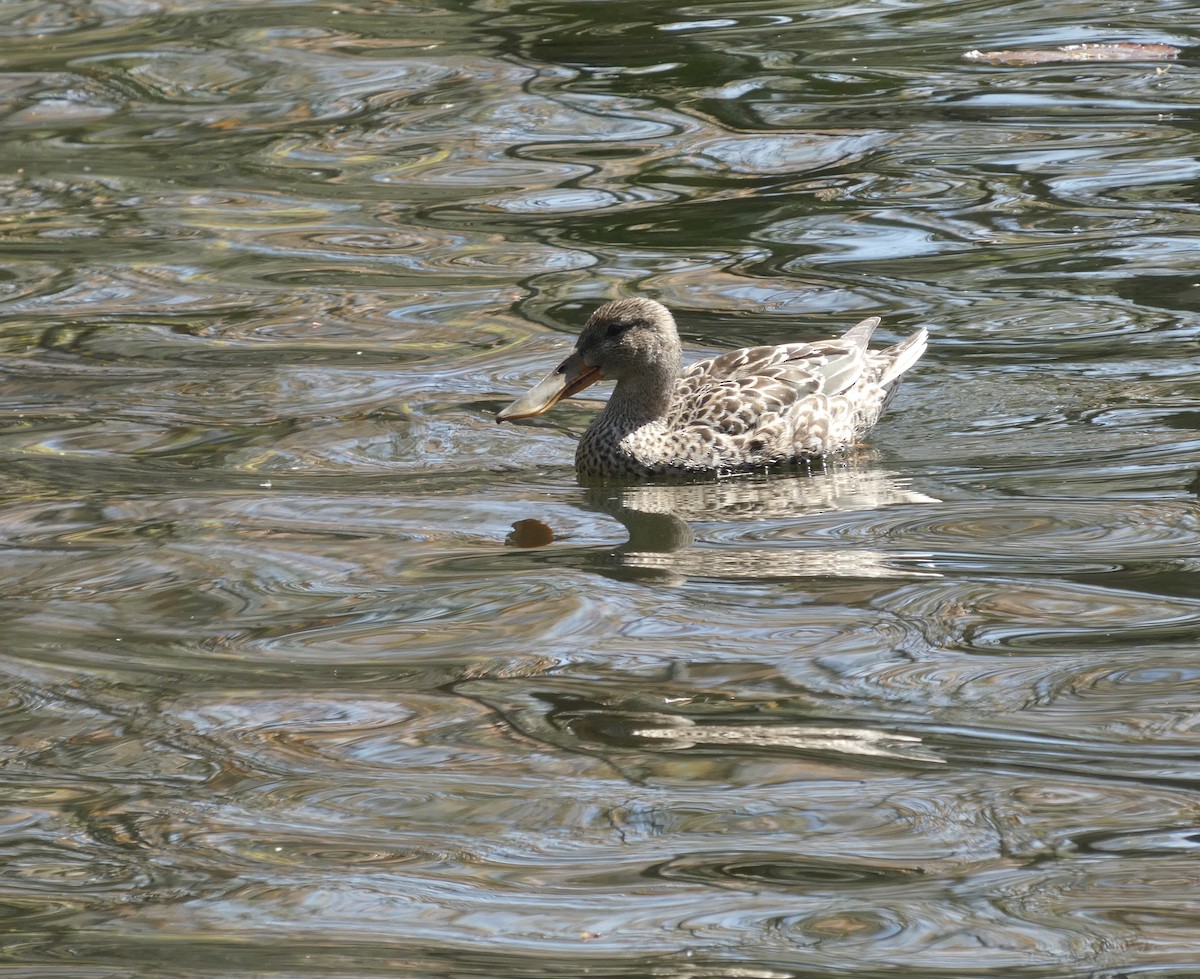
pixel 311 669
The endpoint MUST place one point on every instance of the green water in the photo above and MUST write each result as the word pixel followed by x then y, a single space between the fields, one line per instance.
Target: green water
pixel 309 668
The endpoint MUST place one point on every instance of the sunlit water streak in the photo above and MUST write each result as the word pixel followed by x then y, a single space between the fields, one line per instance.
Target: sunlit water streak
pixel 310 668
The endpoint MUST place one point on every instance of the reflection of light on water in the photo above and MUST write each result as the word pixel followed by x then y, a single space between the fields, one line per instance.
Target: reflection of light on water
pixel 769 563
pixel 682 732
pixel 334 720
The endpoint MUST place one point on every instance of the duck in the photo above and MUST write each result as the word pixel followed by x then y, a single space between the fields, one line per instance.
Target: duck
pixel 742 411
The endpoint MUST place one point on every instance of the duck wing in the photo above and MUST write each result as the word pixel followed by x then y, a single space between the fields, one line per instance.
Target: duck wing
pixel 734 392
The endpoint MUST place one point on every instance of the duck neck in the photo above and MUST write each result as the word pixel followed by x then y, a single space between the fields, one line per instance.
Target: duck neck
pixel 645 397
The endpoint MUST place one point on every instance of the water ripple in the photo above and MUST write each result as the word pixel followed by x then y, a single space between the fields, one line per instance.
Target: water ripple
pixel 274 662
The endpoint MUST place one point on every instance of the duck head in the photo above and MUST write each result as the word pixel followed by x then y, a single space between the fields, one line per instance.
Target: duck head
pixel 632 341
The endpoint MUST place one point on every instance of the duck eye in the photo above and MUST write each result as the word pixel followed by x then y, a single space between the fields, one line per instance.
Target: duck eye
pixel 618 327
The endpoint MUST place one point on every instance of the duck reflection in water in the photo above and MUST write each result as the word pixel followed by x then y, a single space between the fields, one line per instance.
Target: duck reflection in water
pixel 789 538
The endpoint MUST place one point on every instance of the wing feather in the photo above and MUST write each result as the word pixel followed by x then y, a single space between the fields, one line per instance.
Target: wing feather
pixel 762 404
pixel 756 380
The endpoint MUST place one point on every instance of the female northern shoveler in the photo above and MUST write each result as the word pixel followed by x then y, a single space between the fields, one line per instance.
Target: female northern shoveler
pixel 743 410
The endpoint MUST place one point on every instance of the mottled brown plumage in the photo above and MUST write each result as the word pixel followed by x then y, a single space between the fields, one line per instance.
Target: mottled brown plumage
pixel 743 410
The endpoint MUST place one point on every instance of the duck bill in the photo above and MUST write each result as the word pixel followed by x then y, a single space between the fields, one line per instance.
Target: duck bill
pixel 569 378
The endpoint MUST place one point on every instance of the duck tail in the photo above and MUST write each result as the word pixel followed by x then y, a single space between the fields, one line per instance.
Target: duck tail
pixel 860 333
pixel 899 358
